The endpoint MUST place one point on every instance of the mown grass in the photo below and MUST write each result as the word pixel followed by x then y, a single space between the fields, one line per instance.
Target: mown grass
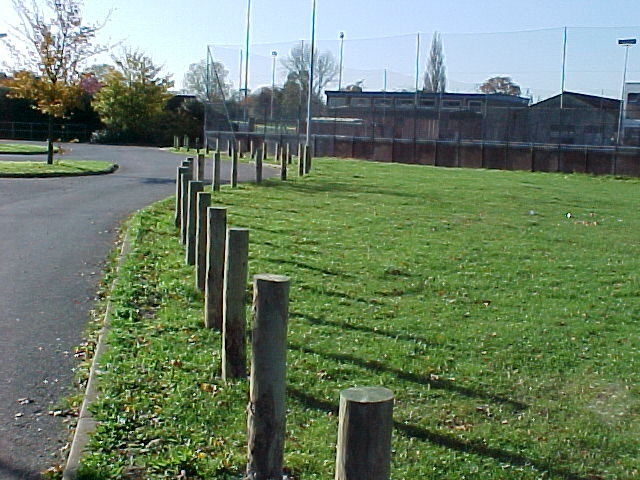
pixel 22 148
pixel 502 309
pixel 57 168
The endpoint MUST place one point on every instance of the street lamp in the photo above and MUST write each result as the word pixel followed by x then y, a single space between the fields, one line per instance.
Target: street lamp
pixel 274 55
pixel 341 57
pixel 625 42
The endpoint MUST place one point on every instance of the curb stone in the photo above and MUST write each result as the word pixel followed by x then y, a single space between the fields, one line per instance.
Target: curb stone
pixel 86 423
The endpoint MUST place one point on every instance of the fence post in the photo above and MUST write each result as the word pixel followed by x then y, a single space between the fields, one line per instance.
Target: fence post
pixel 283 167
pixel 178 215
pixel 300 160
pixel 200 164
pixel 193 189
pixel 289 155
pixel 204 200
pixel 259 166
pixel 364 434
pixel 216 171
pixel 307 158
pixel 266 411
pixel 214 282
pixel 185 178
pixel 234 169
pixel 234 318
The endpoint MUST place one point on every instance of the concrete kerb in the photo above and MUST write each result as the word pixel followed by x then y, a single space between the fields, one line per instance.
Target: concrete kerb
pixel 86 424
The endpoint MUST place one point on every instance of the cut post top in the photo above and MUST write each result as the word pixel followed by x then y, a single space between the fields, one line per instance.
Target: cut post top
pixel 367 394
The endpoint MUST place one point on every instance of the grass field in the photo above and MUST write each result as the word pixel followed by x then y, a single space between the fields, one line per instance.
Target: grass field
pixel 501 308
pixel 22 148
pixel 57 168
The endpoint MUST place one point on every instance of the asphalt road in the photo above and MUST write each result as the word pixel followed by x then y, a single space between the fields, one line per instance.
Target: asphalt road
pixel 55 234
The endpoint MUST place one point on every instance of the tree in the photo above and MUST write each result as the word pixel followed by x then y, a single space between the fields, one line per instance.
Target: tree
pixel 132 96
pixel 435 78
pixel 297 64
pixel 208 82
pixel 503 85
pixel 55 46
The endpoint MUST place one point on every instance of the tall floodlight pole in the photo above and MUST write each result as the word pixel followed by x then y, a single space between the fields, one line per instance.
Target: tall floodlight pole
pixel 274 55
pixel 626 42
pixel 311 72
pixel 564 64
pixel 341 60
pixel 246 60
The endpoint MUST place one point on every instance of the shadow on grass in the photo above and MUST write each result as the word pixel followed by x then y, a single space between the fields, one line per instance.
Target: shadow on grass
pixel 447 441
pixel 432 382
pixel 306 266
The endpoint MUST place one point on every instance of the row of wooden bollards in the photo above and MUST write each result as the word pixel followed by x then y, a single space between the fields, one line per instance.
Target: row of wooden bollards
pixel 220 256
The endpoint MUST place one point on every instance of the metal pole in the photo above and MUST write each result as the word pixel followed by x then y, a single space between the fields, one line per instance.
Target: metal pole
pixel 564 63
pixel 311 72
pixel 341 59
pixel 274 54
pixel 246 60
pixel 626 43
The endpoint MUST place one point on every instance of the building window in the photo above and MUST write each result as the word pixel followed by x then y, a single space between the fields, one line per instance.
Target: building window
pixel 427 103
pixel 633 98
pixel 475 106
pixel 451 104
pixel 383 102
pixel 361 102
pixel 337 102
pixel 405 102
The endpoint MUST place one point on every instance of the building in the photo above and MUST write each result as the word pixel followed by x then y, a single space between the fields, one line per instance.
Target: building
pixel 630 131
pixel 423 116
pixel 574 119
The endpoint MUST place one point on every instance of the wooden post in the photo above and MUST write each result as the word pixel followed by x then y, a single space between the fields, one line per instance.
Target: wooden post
pixel 190 163
pixel 200 164
pixel 364 434
pixel 235 283
pixel 234 169
pixel 185 178
pixel 265 153
pixel 230 147
pixel 283 168
pixel 178 208
pixel 300 160
pixel 216 171
pixel 192 210
pixel 289 155
pixel 307 159
pixel 214 283
pixel 266 420
pixel 259 166
pixel 204 200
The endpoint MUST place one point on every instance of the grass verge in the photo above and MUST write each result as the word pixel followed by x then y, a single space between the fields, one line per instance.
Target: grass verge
pixel 502 309
pixel 22 148
pixel 58 168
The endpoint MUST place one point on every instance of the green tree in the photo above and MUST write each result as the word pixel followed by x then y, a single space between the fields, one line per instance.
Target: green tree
pixel 503 85
pixel 435 78
pixel 53 45
pixel 207 82
pixel 133 95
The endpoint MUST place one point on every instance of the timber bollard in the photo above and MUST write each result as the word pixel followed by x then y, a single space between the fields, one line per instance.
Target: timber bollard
pixel 200 164
pixel 192 210
pixel 300 160
pixel 234 169
pixel 288 153
pixel 203 202
pixel 216 171
pixel 214 282
pixel 364 434
pixel 185 178
pixel 178 208
pixel 283 167
pixel 307 159
pixel 234 317
pixel 259 166
pixel 266 420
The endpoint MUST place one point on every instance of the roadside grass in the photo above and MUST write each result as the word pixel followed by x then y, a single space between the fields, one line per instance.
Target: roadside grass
pixel 22 148
pixel 502 309
pixel 58 168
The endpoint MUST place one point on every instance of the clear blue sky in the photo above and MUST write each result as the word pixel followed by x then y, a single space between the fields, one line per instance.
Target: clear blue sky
pixel 480 39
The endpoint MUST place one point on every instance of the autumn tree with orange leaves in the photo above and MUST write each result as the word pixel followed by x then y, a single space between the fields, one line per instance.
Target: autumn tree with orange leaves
pixel 50 48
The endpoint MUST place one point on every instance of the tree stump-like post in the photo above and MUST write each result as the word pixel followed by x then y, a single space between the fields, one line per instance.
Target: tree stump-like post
pixel 300 160
pixel 185 178
pixel 266 420
pixel 216 171
pixel 189 161
pixel 192 210
pixel 283 167
pixel 234 315
pixel 234 169
pixel 204 200
pixel 289 155
pixel 200 164
pixel 259 166
pixel 364 434
pixel 178 207
pixel 230 147
pixel 214 282
pixel 307 159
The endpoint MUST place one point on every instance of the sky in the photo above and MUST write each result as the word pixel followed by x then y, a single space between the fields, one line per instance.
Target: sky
pixel 385 42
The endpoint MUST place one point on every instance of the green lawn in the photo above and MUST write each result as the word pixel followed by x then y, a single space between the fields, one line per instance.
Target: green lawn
pixel 501 308
pixel 58 168
pixel 22 148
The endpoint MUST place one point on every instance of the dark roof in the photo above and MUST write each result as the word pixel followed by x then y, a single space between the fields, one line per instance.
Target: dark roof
pixel 589 100
pixel 493 96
